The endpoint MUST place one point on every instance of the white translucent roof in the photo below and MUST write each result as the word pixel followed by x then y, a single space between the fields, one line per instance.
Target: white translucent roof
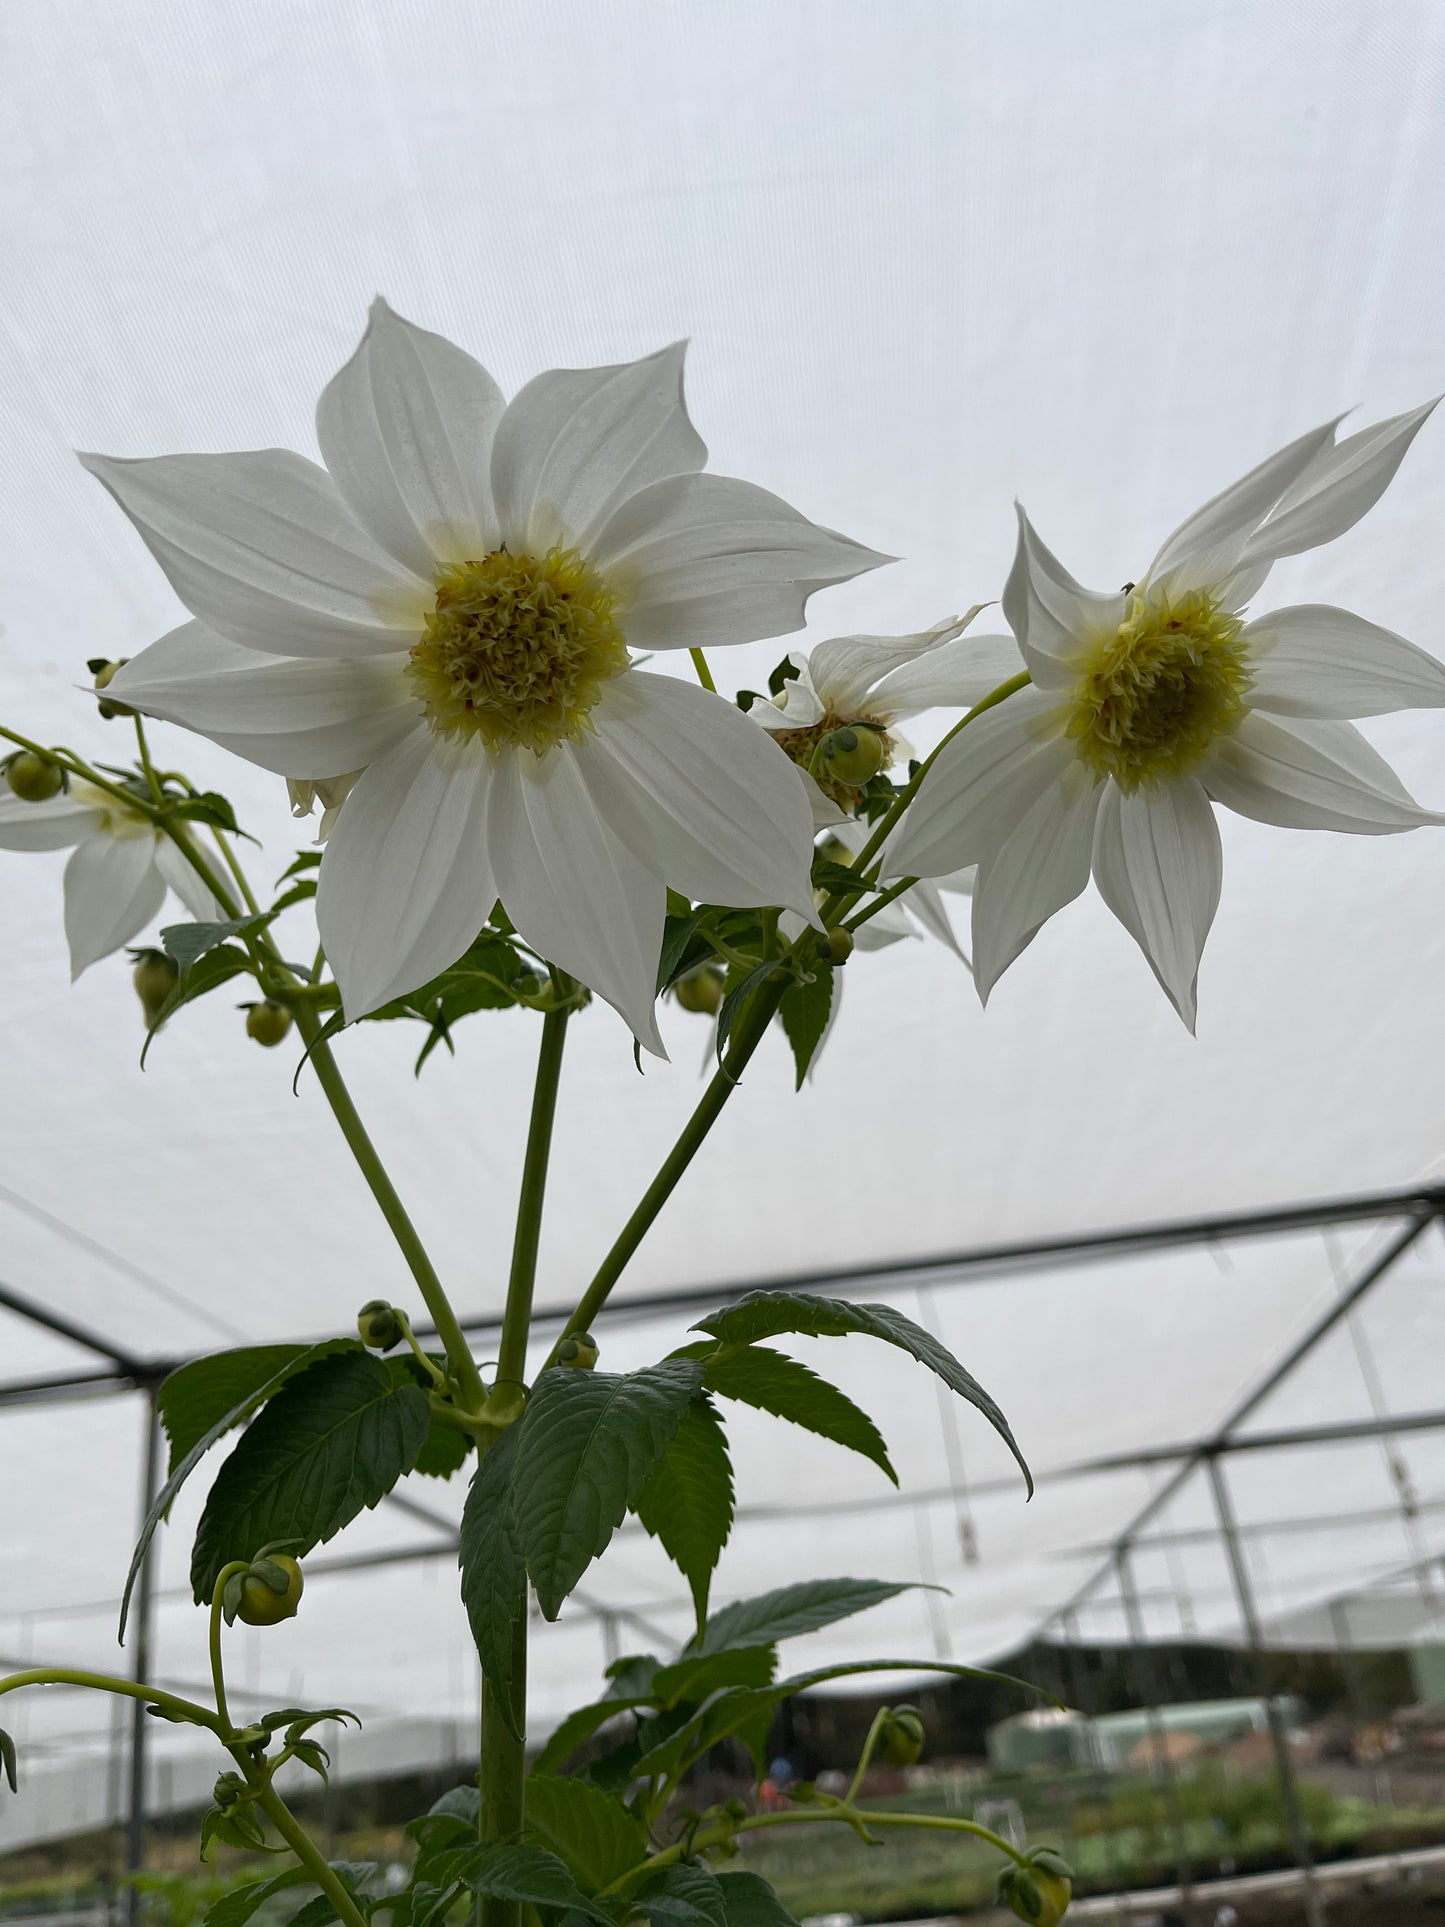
pixel 929 257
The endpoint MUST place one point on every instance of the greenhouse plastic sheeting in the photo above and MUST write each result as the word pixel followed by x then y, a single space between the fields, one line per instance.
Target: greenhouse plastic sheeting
pixel 929 257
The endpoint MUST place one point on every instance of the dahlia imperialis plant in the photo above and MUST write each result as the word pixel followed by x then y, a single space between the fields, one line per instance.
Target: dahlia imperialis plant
pixel 439 637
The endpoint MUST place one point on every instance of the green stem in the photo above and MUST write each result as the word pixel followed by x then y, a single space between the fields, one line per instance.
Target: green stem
pixel 749 1032
pixel 309 1854
pixel 104 1683
pixel 145 760
pixel 437 1378
pixel 74 767
pixel 880 1720
pixel 218 1671
pixel 704 674
pixel 328 1074
pixel 232 863
pixel 881 902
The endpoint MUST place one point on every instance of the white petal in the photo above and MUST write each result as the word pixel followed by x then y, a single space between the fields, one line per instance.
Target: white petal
pixel 52 825
pixel 956 676
pixel 573 888
pixel 261 546
pixel 925 902
pixel 704 560
pixel 1310 776
pixel 406 882
pixel 1053 617
pixel 845 669
pixel 1344 482
pixel 406 429
pixel 699 795
pixel 576 443
pixel 796 705
pixel 112 890
pixel 981 784
pixel 1312 660
pixel 178 875
pixel 1209 545
pixel 304 716
pixel 890 926
pixel 1043 865
pixel 1158 865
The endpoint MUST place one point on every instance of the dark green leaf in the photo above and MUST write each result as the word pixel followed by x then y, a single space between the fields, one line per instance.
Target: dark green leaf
pixel 748 1901
pixel 210 1390
pixel 682 1896
pixel 304 860
pixel 188 942
pixel 332 1442
pixel 804 1013
pixel 445 1452
pixel 235 1908
pixel 772 1382
pixel 687 1503
pixel 589 1441
pixel 482 978
pixel 743 1713
pixel 839 879
pixel 565 1739
pixel 209 807
pixel 786 671
pixel 298 893
pixel 792 1610
pixel 7 1760
pixel 597 1838
pixel 494 1578
pixel 732 1004
pixel 234 1827
pixel 462 1802
pixel 801 1682
pixel 766 1314
pixel 690 1681
pixel 682 949
pixel 319 1911
pixel 245 1405
pixel 208 973
pixel 528 1874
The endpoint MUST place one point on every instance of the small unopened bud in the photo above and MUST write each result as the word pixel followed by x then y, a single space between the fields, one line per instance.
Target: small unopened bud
pixel 579 1351
pixel 701 990
pixel 379 1326
pixel 154 978
pixel 34 779
pixel 840 945
pixel 268 1023
pixel 267 1592
pixel 228 1789
pixel 901 1740
pixel 852 755
pixel 1036 1892
pixel 103 671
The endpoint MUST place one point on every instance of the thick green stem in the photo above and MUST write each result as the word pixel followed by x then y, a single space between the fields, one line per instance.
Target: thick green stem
pixel 704 674
pixel 517 1319
pixel 328 1074
pixel 881 902
pixel 105 1683
pixel 748 1034
pixel 310 1855
pixel 502 1780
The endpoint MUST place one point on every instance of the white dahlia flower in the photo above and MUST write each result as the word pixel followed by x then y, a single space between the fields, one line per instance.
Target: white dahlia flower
pixel 448 607
pixel 119 869
pixel 1151 704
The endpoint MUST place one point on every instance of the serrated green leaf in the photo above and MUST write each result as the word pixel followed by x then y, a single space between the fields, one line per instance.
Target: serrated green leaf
pixel 188 942
pixel 687 1503
pixel 578 1726
pixel 801 1682
pixel 682 949
pixel 299 892
pixel 204 1392
pixel 208 973
pixel 589 1441
pixel 768 1314
pixel 732 1004
pixel 494 1576
pixel 445 1452
pixel 245 1405
pixel 790 1611
pixel 7 1760
pixel 208 807
pixel 303 860
pixel 235 1908
pixel 682 1896
pixel 803 1012
pixel 748 1901
pixel 462 1802
pixel 596 1836
pixel 331 1443
pixel 234 1827
pixel 528 1874
pixel 772 1382
pixel 839 879
pixel 690 1681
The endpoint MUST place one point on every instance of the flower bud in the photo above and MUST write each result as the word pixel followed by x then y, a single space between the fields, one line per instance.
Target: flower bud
pixel 267 1592
pixel 379 1326
pixel 850 755
pixel 701 990
pixel 103 670
pixel 34 779
pixel 268 1023
pixel 579 1351
pixel 840 945
pixel 228 1790
pixel 154 978
pixel 1036 1892
pixel 900 1740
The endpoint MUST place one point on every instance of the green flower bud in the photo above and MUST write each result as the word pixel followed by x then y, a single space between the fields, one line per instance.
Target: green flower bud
pixel 103 671
pixel 840 945
pixel 850 755
pixel 34 779
pixel 268 1592
pixel 228 1790
pixel 1035 1894
pixel 154 978
pixel 900 1741
pixel 268 1023
pixel 379 1326
pixel 701 990
pixel 579 1351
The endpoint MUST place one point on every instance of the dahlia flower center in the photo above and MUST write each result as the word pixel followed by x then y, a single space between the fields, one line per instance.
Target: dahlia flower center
pixel 1155 695
pixel 517 649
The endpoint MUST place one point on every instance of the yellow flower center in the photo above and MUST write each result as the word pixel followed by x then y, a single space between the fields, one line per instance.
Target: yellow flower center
pixel 1157 693
pixel 517 649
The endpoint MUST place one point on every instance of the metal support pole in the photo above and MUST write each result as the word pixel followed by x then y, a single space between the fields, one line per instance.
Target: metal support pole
pixel 1149 1683
pixel 1279 1741
pixel 143 1621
